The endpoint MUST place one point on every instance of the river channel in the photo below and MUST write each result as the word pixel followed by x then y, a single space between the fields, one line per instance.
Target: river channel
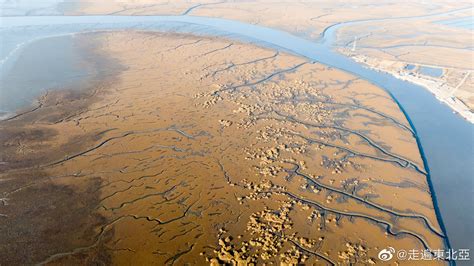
pixel 445 139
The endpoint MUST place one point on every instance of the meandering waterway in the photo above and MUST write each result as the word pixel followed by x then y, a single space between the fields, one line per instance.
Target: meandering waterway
pixel 444 138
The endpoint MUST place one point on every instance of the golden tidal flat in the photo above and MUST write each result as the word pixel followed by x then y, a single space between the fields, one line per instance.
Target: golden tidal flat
pixel 394 32
pixel 207 151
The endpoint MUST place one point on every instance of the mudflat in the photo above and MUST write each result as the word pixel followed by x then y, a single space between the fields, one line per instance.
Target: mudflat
pixel 392 33
pixel 202 150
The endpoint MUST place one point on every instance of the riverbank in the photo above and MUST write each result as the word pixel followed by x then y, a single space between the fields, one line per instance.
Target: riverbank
pixel 438 87
pixel 446 138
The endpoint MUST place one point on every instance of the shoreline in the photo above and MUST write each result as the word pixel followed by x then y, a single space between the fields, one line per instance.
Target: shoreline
pixel 431 188
pixel 74 71
pixel 119 112
pixel 405 114
pixel 456 105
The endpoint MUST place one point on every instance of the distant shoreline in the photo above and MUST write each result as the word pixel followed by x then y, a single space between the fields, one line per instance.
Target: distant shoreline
pixel 457 106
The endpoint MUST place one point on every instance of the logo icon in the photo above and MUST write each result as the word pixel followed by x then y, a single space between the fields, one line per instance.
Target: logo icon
pixel 386 254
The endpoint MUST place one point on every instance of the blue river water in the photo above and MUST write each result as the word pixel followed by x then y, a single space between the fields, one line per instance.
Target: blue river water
pixel 464 22
pixel 444 138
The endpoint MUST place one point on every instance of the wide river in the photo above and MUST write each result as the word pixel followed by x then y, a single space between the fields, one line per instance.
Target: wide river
pixel 444 138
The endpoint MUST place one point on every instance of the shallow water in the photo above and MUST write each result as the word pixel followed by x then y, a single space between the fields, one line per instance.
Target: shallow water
pixel 431 71
pixel 445 138
pixel 410 67
pixel 464 22
pixel 51 63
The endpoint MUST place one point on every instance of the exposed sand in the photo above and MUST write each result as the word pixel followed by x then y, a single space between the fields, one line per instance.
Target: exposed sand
pixel 391 45
pixel 207 151
pixel 305 18
pixel 454 87
pixel 410 40
pixel 421 41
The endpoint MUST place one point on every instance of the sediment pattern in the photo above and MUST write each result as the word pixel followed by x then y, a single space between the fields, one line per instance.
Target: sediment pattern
pixel 209 151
